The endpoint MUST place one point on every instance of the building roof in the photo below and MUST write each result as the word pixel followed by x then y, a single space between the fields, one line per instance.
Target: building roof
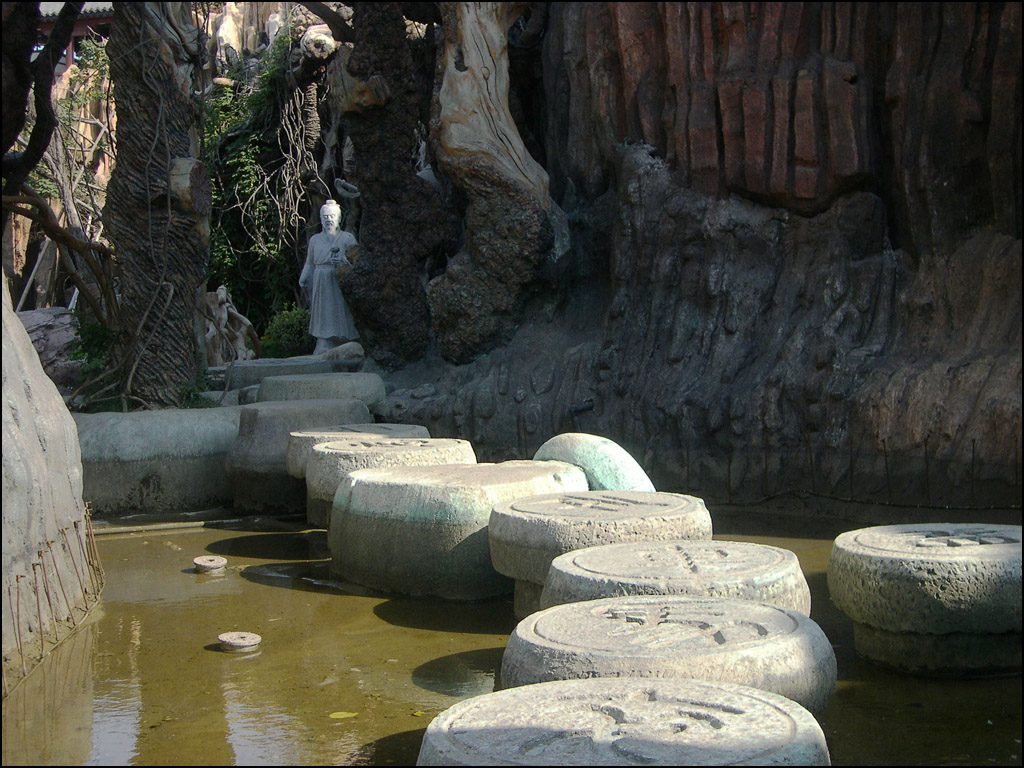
pixel 50 10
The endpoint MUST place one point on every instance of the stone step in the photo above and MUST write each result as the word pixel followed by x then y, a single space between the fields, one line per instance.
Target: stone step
pixel 664 636
pixel 368 387
pixel 527 534
pixel 742 570
pixel 625 721
pixel 932 598
pixel 301 443
pixel 423 530
pixel 329 463
pixel 169 460
pixel 256 464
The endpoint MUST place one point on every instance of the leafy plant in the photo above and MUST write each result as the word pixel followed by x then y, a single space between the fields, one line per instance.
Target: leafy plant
pixel 192 397
pixel 288 334
pixel 92 344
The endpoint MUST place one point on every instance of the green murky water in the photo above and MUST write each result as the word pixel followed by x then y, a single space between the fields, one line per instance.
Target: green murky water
pixel 349 678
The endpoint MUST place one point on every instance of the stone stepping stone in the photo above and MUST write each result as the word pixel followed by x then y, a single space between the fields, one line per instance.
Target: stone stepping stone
pixel 168 460
pixel 246 373
pixel 625 722
pixel 423 530
pixel 933 598
pixel 527 534
pixel 256 464
pixel 735 569
pixel 301 443
pixel 666 636
pixel 608 466
pixel 368 387
pixel 330 462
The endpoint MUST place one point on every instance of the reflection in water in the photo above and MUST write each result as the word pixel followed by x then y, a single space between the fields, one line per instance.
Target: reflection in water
pixel 138 686
pixel 47 717
pixel 115 723
pixel 470 673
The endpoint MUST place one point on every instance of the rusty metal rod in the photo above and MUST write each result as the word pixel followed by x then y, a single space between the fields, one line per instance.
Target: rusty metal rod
pixel 85 556
pixel 39 612
pixel 81 584
pixel 17 621
pixel 49 601
pixel 91 534
pixel 60 582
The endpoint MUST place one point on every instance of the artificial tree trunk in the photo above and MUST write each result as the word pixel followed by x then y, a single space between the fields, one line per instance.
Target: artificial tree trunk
pixel 158 200
pixel 514 231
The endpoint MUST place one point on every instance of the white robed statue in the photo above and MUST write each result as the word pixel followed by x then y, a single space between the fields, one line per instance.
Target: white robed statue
pixel 330 320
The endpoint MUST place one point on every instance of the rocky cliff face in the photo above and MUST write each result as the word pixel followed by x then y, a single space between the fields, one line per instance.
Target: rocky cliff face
pixel 45 538
pixel 796 254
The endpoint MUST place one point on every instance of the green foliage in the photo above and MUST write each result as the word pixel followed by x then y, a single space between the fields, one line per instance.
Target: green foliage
pixel 92 345
pixel 288 334
pixel 191 394
pixel 250 251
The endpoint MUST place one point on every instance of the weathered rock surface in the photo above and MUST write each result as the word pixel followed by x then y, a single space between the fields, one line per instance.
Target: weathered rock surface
pixel 52 331
pixel 781 273
pixel 565 722
pixel 42 495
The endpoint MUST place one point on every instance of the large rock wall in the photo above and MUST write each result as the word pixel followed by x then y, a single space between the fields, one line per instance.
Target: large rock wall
pixel 793 104
pixel 45 532
pixel 796 254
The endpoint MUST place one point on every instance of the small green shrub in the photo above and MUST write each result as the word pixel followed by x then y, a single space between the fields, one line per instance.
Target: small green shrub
pixel 92 345
pixel 192 397
pixel 288 334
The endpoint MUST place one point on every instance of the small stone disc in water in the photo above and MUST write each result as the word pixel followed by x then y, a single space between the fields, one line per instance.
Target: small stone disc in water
pixel 239 642
pixel 209 563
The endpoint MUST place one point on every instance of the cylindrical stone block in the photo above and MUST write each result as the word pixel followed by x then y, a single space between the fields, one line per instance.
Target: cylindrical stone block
pixel 256 466
pixel 330 462
pixel 608 465
pixel 735 569
pixel 527 534
pixel 300 443
pixel 929 578
pixel 625 722
pixel 934 598
pixel 701 638
pixel 423 530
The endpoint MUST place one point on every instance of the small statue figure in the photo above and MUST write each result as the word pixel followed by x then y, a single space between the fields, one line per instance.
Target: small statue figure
pixel 229 334
pixel 330 321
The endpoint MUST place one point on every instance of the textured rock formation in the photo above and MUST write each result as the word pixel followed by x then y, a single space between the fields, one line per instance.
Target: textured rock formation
pixel 43 513
pixel 512 225
pixel 53 331
pixel 794 103
pixel 403 219
pixel 796 254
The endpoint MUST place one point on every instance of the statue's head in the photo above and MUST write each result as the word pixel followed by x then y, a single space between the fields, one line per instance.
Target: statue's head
pixel 330 211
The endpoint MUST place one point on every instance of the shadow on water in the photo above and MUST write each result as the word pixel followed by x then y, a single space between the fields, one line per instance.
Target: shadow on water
pixel 284 545
pixel 485 617
pixel 469 673
pixel 396 749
